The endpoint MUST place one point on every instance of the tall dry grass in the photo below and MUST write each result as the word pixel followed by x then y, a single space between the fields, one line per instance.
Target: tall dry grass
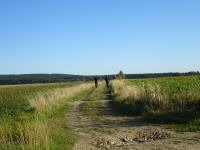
pixel 124 92
pixel 51 98
pixel 121 91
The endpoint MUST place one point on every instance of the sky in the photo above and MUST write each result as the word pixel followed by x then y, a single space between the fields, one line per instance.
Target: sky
pixel 99 36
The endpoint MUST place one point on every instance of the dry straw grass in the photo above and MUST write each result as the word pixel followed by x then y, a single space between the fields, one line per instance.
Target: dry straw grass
pixel 123 92
pixel 149 95
pixel 46 100
pixel 154 95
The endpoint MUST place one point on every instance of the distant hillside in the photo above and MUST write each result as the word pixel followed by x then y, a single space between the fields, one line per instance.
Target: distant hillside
pixel 51 78
pixel 39 78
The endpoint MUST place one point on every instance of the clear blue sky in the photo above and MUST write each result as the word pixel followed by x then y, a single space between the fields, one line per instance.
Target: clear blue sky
pixel 99 36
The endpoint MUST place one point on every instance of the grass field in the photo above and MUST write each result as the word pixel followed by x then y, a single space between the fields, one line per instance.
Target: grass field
pixel 31 116
pixel 161 100
pixel 34 116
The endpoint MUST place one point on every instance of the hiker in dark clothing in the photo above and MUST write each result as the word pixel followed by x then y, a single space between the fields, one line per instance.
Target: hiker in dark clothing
pixel 107 81
pixel 96 82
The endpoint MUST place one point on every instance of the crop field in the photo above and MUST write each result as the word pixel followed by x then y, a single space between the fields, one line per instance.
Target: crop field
pixel 163 100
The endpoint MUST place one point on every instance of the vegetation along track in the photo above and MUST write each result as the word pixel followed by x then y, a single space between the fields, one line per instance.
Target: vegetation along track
pixel 99 127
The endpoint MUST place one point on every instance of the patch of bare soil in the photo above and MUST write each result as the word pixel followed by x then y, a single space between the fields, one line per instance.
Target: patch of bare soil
pixel 115 132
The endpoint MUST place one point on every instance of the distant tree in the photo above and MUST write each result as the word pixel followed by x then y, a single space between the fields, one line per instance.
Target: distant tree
pixel 121 75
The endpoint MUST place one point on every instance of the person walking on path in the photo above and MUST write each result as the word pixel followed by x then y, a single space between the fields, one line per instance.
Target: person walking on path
pixel 96 82
pixel 107 81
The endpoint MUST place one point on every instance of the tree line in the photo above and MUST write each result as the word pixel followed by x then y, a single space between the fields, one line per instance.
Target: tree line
pixel 52 78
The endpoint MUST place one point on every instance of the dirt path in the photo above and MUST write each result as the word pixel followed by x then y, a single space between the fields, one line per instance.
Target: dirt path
pixel 110 131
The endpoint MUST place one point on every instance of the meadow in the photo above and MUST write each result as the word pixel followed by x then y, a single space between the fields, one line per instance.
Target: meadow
pixel 173 100
pixel 31 116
